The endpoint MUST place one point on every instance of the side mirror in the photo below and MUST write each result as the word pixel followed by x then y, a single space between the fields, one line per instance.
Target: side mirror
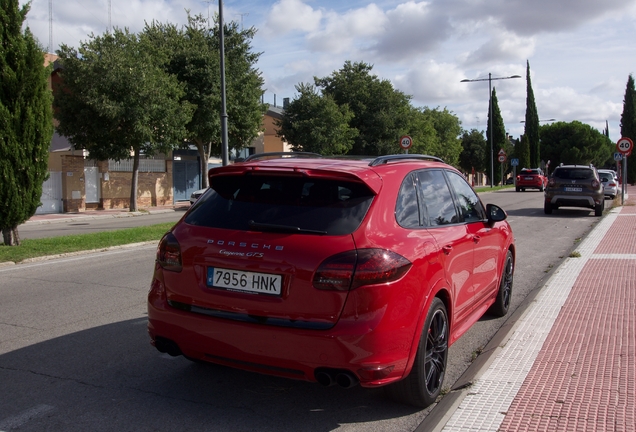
pixel 495 213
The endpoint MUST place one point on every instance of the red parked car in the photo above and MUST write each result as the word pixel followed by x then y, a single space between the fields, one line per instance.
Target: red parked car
pixel 336 271
pixel 531 179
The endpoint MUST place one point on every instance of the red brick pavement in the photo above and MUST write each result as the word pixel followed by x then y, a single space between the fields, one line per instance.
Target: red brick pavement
pixel 584 378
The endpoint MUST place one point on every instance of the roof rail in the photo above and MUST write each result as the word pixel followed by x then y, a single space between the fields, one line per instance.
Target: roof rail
pixel 272 155
pixel 387 158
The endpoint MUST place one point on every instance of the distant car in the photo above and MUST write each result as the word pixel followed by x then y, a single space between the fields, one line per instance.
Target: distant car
pixel 574 186
pixel 510 180
pixel 336 271
pixel 610 183
pixel 196 194
pixel 531 178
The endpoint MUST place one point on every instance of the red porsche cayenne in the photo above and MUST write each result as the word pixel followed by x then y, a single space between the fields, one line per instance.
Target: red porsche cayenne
pixel 338 271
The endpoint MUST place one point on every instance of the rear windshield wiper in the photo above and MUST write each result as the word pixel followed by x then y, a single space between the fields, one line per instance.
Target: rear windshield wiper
pixel 282 228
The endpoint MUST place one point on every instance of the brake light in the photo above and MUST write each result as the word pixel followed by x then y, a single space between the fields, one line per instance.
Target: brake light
pixel 551 182
pixel 595 184
pixel 353 269
pixel 169 253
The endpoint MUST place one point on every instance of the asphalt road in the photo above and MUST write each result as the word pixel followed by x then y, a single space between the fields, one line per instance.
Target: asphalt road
pixel 75 356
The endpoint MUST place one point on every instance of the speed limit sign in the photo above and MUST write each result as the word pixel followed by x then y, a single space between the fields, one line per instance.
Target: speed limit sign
pixel 406 142
pixel 625 145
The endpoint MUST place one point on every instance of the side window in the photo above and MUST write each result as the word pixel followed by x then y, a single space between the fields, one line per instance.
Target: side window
pixel 407 212
pixel 469 204
pixel 437 202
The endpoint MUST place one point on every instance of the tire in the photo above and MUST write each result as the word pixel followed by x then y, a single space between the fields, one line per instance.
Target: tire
pixel 598 209
pixel 547 208
pixel 518 189
pixel 502 303
pixel 423 384
pixel 541 189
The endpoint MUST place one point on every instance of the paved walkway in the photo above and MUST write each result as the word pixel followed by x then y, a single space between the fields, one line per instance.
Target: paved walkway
pixel 92 214
pixel 569 363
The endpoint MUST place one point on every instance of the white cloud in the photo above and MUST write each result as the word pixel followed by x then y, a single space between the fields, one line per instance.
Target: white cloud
pixel 290 15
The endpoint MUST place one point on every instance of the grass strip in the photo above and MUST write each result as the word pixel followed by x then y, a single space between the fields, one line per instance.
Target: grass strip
pixel 32 248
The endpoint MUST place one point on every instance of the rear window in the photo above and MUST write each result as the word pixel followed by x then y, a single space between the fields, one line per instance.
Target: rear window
pixel 282 204
pixel 530 171
pixel 574 173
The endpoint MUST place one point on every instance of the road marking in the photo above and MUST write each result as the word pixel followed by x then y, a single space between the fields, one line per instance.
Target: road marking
pixel 24 417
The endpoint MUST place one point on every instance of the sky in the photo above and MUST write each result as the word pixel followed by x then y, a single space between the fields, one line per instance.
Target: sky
pixel 581 52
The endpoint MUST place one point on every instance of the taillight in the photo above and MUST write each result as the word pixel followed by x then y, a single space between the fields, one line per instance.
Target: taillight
pixel 595 184
pixel 551 182
pixel 353 269
pixel 169 253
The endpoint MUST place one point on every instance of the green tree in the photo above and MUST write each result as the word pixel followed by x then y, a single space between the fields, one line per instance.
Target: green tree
pixel 381 113
pixel 628 126
pixel 25 119
pixel 191 54
pixel 531 126
pixel 441 137
pixel 574 143
pixel 499 138
pixel 315 123
pixel 115 99
pixel 522 152
pixel 474 151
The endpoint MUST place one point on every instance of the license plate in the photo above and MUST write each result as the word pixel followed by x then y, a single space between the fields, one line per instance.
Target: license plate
pixel 237 280
pixel 528 178
pixel 572 189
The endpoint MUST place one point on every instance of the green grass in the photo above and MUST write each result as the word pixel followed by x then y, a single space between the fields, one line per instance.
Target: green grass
pixel 32 248
pixel 480 189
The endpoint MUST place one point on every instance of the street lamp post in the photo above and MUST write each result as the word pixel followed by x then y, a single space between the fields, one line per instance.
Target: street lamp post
pixel 490 79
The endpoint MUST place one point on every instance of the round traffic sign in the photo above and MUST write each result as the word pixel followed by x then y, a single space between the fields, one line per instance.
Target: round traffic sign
pixel 625 145
pixel 502 158
pixel 406 142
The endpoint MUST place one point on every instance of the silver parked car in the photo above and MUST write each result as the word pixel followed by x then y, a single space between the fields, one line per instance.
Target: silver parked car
pixel 610 183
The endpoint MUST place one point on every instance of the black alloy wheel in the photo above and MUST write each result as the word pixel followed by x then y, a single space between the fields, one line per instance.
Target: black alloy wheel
pixel 423 384
pixel 502 303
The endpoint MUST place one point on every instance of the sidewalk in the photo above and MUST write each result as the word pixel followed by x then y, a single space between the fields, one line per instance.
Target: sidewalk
pixel 113 213
pixel 569 362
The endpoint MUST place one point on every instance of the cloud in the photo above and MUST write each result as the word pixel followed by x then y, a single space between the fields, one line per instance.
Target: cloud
pixel 502 47
pixel 291 15
pixel 413 28
pixel 351 30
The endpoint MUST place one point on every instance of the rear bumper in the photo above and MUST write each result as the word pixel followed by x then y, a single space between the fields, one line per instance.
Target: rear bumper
pixel 359 346
pixel 575 200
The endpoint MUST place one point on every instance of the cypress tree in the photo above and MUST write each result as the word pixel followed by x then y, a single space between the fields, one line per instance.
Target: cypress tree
pixel 628 126
pixel 498 137
pixel 531 128
pixel 522 151
pixel 26 123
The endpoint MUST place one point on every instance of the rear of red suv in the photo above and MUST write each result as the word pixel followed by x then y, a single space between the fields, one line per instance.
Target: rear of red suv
pixel 299 268
pixel 531 179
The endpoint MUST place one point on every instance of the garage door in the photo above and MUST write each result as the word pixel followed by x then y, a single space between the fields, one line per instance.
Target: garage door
pixel 51 198
pixel 185 179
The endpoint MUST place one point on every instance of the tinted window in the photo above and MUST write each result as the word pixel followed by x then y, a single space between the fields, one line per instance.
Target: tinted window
pixel 574 173
pixel 437 202
pixel 469 204
pixel 407 212
pixel 334 207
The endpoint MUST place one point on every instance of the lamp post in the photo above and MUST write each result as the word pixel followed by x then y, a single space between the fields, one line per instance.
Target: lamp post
pixel 490 79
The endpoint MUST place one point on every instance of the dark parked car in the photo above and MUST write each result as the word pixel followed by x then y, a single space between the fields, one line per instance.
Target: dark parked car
pixel 574 186
pixel 336 271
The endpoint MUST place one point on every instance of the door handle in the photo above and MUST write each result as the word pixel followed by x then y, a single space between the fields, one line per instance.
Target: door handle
pixel 476 239
pixel 447 249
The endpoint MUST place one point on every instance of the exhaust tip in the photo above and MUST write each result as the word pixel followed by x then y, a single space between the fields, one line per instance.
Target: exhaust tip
pixel 347 380
pixel 325 378
pixel 167 346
